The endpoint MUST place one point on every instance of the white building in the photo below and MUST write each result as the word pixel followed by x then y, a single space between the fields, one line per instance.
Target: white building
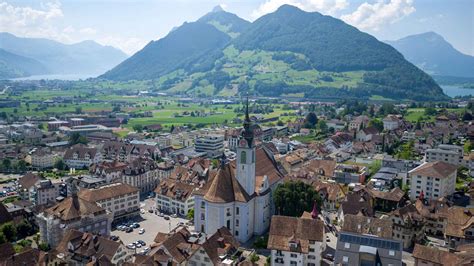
pixel 451 154
pixel 432 180
pixel 41 159
pixel 141 173
pixel 296 241
pixel 44 192
pixel 81 156
pixel 391 122
pixel 213 145
pixel 121 200
pixel 235 197
pixel 174 197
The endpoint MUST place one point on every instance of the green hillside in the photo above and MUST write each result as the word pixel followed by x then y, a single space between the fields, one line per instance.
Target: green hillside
pixel 286 53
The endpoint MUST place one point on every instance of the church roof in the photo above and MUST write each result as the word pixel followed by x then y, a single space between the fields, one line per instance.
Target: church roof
pixel 224 187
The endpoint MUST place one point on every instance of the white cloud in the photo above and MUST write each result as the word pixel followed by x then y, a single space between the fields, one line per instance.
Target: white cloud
pixel 374 16
pixel 42 22
pixel 329 7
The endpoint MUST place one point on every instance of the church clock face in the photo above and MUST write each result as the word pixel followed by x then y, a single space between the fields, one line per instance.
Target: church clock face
pixel 242 143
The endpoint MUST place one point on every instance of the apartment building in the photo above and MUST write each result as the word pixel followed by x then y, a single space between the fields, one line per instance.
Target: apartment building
pixel 44 191
pixel 213 145
pixel 141 173
pixel 296 241
pixel 174 197
pixel 122 200
pixel 451 154
pixel 432 180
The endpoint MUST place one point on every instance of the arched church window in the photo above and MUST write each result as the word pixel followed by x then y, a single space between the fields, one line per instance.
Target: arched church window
pixel 243 157
pixel 253 157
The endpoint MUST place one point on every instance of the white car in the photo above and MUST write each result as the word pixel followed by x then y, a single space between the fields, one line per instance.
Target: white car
pixel 131 246
pixel 142 211
pixel 141 231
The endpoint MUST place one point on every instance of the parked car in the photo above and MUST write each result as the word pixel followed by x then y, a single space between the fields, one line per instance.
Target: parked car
pixel 142 211
pixel 129 230
pixel 131 246
pixel 174 215
pixel 141 242
pixel 161 214
pixel 166 217
pixel 141 231
pixel 135 225
pixel 180 224
pixel 150 210
pixel 114 238
pixel 329 256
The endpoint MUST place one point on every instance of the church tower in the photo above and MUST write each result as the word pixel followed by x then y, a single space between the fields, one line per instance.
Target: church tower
pixel 246 155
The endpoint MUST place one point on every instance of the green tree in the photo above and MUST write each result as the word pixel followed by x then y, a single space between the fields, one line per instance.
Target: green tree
pixel 78 110
pixel 322 126
pixel 407 151
pixel 6 164
pixel 3 239
pixel 77 138
pixel 467 116
pixel 24 229
pixel 9 231
pixel 429 111
pixel 311 120
pixel 377 123
pixel 21 166
pixel 292 198
pixel 280 123
pixel 468 146
pixel 138 128
pixel 43 246
pixel 190 214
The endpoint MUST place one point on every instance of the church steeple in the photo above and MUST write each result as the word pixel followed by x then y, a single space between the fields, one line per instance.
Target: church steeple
pixel 248 134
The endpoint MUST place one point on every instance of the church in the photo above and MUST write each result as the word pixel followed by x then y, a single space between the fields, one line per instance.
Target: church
pixel 239 196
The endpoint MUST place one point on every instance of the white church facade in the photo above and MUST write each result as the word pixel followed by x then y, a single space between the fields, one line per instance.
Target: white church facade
pixel 237 197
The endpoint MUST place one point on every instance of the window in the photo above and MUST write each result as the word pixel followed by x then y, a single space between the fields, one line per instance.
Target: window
pixel 347 245
pixel 345 259
pixel 293 255
pixel 203 204
pixel 243 157
pixel 228 224
pixel 237 210
pixel 236 222
pixel 391 252
pixel 202 216
pixel 236 233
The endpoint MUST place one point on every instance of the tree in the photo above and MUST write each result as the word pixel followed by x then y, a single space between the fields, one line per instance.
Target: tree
pixel 77 138
pixel 24 229
pixel 292 198
pixel 43 246
pixel 467 116
pixel 407 151
pixel 78 110
pixel 138 128
pixel 21 166
pixel 429 111
pixel 9 231
pixel 377 123
pixel 311 120
pixel 172 128
pixel 6 164
pixel 190 214
pixel 280 123
pixel 322 126
pixel 60 165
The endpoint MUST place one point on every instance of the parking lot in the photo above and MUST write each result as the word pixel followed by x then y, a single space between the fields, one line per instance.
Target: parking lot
pixel 152 224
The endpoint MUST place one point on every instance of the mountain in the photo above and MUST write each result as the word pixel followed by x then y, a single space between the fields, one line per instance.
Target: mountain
pixel 15 66
pixel 432 53
pixel 87 57
pixel 286 53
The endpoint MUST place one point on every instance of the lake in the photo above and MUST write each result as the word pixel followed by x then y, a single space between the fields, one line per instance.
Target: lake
pixel 454 90
pixel 59 77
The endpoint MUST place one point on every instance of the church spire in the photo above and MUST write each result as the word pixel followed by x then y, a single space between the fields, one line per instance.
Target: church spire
pixel 248 134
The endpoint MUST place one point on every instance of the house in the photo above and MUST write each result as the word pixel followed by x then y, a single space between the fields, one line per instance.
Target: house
pixel 141 173
pixel 218 249
pixel 460 226
pixel 111 172
pixel 44 192
pixel 42 159
pixel 348 173
pixel 388 200
pixel 127 152
pixel 391 122
pixel 121 200
pixel 72 213
pixel 83 248
pixel 323 169
pixel 356 203
pixel 367 241
pixel 366 134
pixel 432 256
pixel 432 180
pixel 408 225
pixel 330 193
pixel 212 145
pixel 80 156
pixel 451 154
pixel 296 241
pixel 359 122
pixel 25 183
pixel 174 197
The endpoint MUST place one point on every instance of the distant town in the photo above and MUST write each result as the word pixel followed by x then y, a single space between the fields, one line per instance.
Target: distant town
pixel 132 177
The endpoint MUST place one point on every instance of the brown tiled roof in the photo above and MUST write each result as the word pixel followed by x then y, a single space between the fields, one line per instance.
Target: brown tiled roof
pixel 322 167
pixel 174 189
pixel 178 246
pixel 28 180
pixel 435 255
pixel 26 257
pixel 81 151
pixel 395 194
pixel 74 208
pixel 332 189
pixel 370 130
pixel 87 245
pixel 367 225
pixel 434 169
pixel 284 229
pixel 106 192
pixel 459 220
pixel 356 203
pixel 6 251
pixel 408 213
pixel 220 243
pixel 224 187
pixel 265 165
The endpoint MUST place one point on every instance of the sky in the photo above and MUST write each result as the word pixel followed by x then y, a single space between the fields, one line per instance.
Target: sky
pixel 130 24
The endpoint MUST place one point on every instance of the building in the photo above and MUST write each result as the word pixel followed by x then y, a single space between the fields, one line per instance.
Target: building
pixel 42 159
pixel 367 241
pixel 239 195
pixel 213 145
pixel 122 200
pixel 432 180
pixel 359 122
pixel 459 227
pixel 82 248
pixel 366 134
pixel 432 256
pixel 408 225
pixel 81 156
pixel 128 152
pixel 296 241
pixel 84 130
pixel 44 192
pixel 174 197
pixel 110 171
pixel 347 173
pixel 72 213
pixel 141 173
pixel 391 122
pixel 451 154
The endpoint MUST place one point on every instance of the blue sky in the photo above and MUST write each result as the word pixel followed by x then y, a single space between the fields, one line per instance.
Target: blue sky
pixel 131 24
